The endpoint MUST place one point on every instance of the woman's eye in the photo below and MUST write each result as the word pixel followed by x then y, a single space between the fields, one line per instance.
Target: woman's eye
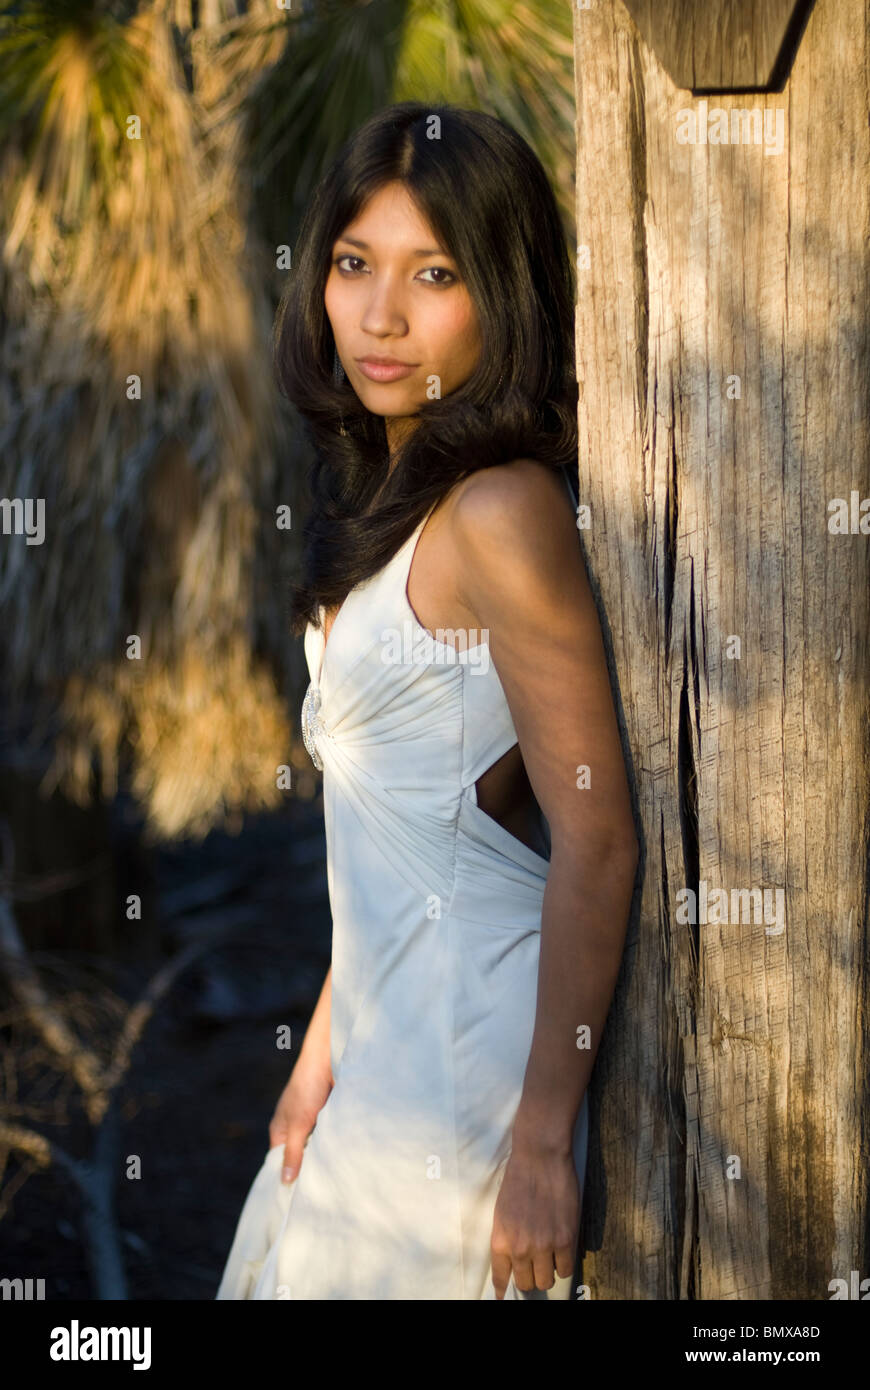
pixel 439 270
pixel 445 276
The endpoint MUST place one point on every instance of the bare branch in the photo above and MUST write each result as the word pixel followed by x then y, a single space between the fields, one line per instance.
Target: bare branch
pixel 40 1149
pixel 83 1064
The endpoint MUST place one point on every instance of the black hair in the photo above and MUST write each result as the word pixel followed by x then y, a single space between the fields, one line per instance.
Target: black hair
pixel 487 197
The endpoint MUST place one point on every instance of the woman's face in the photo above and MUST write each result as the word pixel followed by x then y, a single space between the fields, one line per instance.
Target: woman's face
pixel 393 292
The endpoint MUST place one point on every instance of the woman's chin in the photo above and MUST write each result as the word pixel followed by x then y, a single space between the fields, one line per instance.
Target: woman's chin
pixel 383 399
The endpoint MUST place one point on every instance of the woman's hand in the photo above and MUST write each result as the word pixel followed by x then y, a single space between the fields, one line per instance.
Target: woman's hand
pixel 296 1113
pixel 536 1220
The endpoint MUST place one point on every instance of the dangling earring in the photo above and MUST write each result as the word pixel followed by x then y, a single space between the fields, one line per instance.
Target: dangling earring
pixel 338 376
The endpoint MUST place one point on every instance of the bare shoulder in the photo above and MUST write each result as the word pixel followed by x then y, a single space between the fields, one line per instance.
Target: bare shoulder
pixel 505 538
pixel 520 509
pixel 524 491
pixel 521 575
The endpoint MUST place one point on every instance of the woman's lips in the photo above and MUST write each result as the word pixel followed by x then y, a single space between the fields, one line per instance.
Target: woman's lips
pixel 384 371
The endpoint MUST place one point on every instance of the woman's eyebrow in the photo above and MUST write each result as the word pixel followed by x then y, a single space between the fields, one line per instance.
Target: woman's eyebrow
pixel 425 251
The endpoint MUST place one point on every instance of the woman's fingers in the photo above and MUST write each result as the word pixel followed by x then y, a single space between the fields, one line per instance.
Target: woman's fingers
pixel 524 1273
pixel 501 1273
pixel 292 1136
pixel 293 1148
pixel 543 1275
pixel 532 1272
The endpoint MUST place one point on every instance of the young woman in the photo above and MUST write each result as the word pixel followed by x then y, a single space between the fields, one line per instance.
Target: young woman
pixel 481 849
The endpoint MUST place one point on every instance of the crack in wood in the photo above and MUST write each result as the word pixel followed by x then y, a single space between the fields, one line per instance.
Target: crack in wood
pixel 688 811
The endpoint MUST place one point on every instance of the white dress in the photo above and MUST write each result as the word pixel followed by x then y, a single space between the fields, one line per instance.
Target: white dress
pixel 436 914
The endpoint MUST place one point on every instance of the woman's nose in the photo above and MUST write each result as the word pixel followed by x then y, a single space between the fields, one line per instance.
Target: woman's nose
pixel 384 312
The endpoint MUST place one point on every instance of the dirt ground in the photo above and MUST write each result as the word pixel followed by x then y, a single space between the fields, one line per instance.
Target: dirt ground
pixel 207 1073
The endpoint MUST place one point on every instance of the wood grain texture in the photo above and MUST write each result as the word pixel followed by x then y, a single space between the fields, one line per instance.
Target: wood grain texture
pixel 710 522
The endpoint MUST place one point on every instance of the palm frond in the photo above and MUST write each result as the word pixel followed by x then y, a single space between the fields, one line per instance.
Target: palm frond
pixel 344 59
pixel 130 257
pixel 124 256
pixel 514 60
pixel 337 66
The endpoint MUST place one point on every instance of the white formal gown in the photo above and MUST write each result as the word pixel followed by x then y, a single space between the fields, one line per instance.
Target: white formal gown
pixel 436 915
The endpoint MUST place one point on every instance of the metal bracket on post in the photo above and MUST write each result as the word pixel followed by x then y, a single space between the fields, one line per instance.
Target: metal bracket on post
pixel 723 45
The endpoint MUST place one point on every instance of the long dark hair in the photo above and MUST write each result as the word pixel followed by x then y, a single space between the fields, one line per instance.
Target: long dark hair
pixel 487 197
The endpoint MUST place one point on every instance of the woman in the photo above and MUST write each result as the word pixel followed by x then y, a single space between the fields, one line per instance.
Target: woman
pixel 460 709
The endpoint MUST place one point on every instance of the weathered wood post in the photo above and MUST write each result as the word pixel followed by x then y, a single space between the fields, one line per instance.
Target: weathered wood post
pixel 723 207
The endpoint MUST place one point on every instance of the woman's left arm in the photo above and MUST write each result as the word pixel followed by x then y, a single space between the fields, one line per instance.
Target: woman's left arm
pixel 521 573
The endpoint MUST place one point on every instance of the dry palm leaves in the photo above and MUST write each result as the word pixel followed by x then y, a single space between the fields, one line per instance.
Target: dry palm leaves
pixel 126 258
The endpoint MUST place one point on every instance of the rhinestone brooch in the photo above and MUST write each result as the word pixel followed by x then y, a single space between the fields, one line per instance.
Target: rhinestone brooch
pixel 312 724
